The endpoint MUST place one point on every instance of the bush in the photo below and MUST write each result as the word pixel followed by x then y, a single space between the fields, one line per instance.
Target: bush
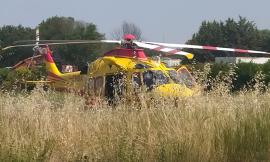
pixel 16 79
pixel 244 74
pixel 3 74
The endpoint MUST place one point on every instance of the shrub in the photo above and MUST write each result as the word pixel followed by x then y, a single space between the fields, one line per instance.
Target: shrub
pixel 244 74
pixel 3 74
pixel 16 79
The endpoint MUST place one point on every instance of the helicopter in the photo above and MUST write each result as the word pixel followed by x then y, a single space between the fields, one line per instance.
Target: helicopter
pixel 123 70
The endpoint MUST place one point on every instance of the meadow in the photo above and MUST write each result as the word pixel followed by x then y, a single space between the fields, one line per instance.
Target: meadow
pixel 216 125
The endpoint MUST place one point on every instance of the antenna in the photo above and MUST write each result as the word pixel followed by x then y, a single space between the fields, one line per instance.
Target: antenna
pixel 35 48
pixel 37 36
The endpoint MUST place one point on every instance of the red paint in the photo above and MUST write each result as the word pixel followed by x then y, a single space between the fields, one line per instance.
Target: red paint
pixel 241 51
pixel 210 48
pixel 158 48
pixel 48 56
pixel 129 37
pixel 53 79
pixel 174 51
pixel 50 74
pixel 140 54
pixel 129 53
pixel 29 62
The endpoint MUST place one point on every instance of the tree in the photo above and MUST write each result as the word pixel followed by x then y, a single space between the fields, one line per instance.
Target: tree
pixel 127 28
pixel 9 34
pixel 67 28
pixel 265 41
pixel 235 34
pixel 52 28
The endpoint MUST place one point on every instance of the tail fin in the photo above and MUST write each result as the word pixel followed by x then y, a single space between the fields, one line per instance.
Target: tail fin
pixel 50 64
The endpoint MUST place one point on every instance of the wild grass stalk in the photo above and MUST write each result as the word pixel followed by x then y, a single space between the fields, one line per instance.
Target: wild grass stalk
pixel 212 126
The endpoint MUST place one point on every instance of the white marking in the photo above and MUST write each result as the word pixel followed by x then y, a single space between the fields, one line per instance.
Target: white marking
pixel 201 47
pixel 251 51
pixel 37 36
pixel 225 49
pixel 166 49
pixel 182 53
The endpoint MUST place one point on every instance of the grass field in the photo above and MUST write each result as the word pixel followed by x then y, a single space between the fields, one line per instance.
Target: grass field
pixel 213 126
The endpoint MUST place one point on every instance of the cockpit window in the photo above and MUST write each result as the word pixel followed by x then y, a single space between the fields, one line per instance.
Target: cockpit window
pixel 153 78
pixel 175 76
pixel 136 80
pixel 182 76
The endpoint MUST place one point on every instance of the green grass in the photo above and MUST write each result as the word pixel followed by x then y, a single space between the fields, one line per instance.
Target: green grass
pixel 217 126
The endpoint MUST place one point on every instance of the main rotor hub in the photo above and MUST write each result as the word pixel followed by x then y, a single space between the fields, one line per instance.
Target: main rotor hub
pixel 128 41
pixel 129 37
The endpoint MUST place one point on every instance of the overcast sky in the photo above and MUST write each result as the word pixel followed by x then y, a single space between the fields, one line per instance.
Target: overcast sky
pixel 159 20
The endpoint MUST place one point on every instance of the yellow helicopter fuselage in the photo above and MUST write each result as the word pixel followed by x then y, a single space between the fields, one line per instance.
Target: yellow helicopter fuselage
pixel 115 74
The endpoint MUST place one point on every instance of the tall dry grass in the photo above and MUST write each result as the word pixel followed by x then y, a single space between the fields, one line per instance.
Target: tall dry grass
pixel 212 126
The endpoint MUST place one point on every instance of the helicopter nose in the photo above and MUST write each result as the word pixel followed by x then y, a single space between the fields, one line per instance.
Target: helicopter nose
pixel 173 90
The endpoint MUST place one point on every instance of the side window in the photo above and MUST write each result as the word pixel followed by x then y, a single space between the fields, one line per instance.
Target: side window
pixel 186 77
pixel 148 79
pixel 84 69
pixel 114 86
pixel 90 85
pixel 175 76
pixel 136 80
pixel 99 85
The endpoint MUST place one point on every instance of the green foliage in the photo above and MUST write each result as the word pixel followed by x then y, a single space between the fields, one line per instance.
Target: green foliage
pixel 265 41
pixel 3 74
pixel 57 28
pixel 266 71
pixel 219 68
pixel 16 79
pixel 231 33
pixel 66 28
pixel 244 73
pixel 9 34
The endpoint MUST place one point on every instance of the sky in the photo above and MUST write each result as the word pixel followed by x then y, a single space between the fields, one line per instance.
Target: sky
pixel 172 21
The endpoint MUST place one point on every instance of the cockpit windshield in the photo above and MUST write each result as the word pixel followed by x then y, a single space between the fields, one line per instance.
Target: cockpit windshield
pixel 150 79
pixel 182 76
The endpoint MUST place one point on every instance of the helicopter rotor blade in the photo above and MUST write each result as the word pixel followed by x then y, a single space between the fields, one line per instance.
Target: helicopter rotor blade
pixel 163 49
pixel 212 48
pixel 63 43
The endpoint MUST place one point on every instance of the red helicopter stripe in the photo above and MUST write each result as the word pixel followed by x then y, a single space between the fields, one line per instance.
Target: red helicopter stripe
pixel 48 58
pixel 54 79
pixel 174 51
pixel 54 76
pixel 209 48
pixel 158 48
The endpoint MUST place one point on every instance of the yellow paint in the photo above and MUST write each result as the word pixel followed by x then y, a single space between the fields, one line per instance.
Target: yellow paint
pixel 173 90
pixel 71 80
pixel 110 65
pixel 189 56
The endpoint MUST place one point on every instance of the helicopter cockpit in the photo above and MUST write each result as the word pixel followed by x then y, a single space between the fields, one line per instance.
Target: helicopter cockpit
pixel 182 76
pixel 153 78
pixel 150 78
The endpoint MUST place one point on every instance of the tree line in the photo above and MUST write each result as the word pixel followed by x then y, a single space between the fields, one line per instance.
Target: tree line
pixel 240 33
pixel 56 28
pixel 232 33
